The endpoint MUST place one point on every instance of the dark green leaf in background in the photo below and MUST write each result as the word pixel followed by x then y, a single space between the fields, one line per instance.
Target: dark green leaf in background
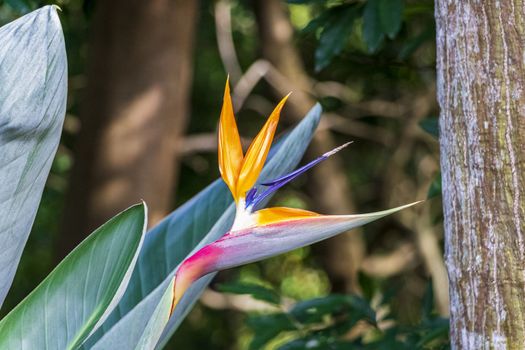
pixel 318 22
pixel 314 310
pixel 333 38
pixel 430 125
pixel 372 29
pixel 256 291
pixel 427 306
pixel 435 332
pixel 302 2
pixel 435 187
pixel 368 285
pixel 22 6
pixel 315 343
pixel 390 16
pixel 267 327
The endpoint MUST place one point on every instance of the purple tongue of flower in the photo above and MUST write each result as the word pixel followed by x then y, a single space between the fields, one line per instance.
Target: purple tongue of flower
pixel 252 199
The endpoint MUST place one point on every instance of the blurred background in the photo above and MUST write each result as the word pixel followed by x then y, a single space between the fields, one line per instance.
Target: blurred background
pixel 146 80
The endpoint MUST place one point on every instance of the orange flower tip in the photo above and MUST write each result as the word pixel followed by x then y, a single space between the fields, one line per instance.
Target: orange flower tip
pixel 285 98
pixel 282 102
pixel 227 88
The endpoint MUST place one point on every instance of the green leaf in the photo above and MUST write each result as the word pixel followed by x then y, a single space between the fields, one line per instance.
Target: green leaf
pixel 334 35
pixel 427 306
pixel 302 2
pixel 141 327
pixel 390 16
pixel 267 327
pixel 314 310
pixel 318 22
pixel 256 291
pixel 33 88
pixel 362 309
pixel 200 221
pixel 430 125
pixel 368 285
pixel 372 29
pixel 22 6
pixel 81 291
pixel 435 187
pixel 316 342
pixel 435 331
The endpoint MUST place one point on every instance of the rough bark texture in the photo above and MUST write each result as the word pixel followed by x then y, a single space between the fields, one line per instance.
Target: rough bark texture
pixel 135 110
pixel 341 255
pixel 481 91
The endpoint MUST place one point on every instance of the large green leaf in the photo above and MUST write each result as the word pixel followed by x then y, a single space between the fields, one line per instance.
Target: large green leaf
pixel 82 290
pixel 141 313
pixel 335 34
pixel 391 16
pixel 33 86
pixel 372 30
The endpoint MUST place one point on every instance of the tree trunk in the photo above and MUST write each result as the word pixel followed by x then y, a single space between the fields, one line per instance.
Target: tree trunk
pixel 481 91
pixel 135 109
pixel 341 255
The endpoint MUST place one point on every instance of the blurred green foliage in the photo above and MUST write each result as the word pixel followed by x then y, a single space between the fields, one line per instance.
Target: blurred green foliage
pixel 338 322
pixel 375 49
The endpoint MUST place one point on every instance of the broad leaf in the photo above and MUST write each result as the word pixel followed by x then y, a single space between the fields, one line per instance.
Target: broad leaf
pixel 256 291
pixel 267 327
pixel 372 30
pixel 33 86
pixel 335 34
pixel 200 221
pixel 391 16
pixel 314 310
pixel 82 290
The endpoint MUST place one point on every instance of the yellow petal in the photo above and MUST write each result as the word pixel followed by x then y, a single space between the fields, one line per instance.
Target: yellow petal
pixel 230 149
pixel 278 214
pixel 258 151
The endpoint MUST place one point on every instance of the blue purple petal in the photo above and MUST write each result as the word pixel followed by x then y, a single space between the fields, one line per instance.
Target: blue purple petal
pixel 253 200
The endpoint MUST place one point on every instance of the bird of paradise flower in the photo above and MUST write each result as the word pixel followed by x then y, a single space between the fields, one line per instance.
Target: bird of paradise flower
pixel 257 234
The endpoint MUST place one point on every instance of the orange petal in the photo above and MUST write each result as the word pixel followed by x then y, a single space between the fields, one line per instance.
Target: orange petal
pixel 230 149
pixel 258 151
pixel 277 214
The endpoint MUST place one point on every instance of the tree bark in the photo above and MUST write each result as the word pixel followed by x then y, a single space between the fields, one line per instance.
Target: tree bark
pixel 135 109
pixel 481 91
pixel 341 255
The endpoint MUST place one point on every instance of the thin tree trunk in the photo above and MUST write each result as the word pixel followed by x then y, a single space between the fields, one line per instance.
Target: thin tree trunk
pixel 134 111
pixel 341 255
pixel 481 91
